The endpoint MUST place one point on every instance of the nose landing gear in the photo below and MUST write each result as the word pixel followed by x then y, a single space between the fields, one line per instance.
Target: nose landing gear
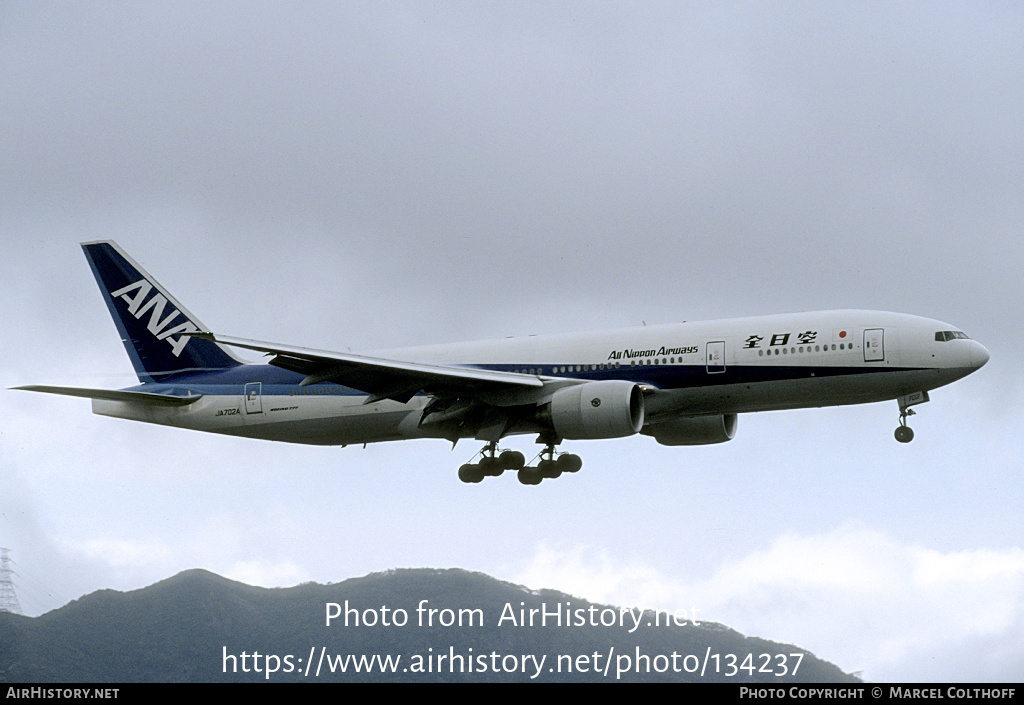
pixel 905 434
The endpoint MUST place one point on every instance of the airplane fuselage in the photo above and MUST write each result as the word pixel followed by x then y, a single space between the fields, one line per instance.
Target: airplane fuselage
pixel 699 369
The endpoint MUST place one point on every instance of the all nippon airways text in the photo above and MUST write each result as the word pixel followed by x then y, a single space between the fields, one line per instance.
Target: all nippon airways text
pixel 557 614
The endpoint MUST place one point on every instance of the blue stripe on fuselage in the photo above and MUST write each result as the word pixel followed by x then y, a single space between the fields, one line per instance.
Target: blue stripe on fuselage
pixel 278 381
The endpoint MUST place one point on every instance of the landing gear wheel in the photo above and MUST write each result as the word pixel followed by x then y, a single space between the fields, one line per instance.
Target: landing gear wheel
pixel 548 468
pixel 471 473
pixel 569 462
pixel 904 434
pixel 530 476
pixel 491 466
pixel 512 460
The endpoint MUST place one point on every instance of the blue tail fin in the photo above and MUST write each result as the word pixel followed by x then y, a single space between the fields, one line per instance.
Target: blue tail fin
pixel 150 320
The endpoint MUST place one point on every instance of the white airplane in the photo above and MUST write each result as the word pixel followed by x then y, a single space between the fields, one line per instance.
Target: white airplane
pixel 682 384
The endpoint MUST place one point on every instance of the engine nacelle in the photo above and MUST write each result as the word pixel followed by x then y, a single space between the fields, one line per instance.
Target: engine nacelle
pixel 694 430
pixel 609 409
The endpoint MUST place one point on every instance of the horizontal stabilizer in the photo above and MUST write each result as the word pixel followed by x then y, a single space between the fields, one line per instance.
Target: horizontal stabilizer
pixel 115 395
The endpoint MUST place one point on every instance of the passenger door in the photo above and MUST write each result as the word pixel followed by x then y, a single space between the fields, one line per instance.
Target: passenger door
pixel 716 357
pixel 874 345
pixel 253 398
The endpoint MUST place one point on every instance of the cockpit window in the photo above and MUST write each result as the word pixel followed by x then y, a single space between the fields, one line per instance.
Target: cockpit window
pixel 944 335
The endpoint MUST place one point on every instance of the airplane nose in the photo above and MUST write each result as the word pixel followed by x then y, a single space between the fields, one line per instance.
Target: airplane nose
pixel 979 355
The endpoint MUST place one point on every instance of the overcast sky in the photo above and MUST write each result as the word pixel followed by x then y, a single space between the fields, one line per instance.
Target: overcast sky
pixel 365 175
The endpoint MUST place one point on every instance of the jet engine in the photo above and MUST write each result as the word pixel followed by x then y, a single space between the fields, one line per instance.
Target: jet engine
pixel 694 430
pixel 608 409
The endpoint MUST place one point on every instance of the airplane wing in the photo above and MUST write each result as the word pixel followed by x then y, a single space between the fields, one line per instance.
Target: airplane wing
pixel 115 395
pixel 382 378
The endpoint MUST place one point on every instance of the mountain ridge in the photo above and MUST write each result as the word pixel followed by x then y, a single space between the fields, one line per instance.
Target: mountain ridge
pixel 434 625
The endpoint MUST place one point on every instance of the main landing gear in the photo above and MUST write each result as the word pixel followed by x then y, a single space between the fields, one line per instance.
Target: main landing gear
pixel 493 464
pixel 550 466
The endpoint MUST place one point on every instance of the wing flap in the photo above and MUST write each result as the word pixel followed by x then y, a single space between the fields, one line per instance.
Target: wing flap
pixel 115 395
